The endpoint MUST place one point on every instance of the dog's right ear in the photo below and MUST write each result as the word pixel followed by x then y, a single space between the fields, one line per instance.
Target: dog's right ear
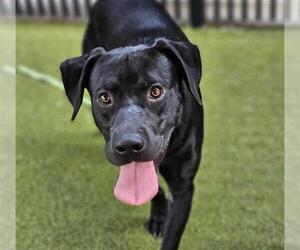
pixel 187 54
pixel 74 73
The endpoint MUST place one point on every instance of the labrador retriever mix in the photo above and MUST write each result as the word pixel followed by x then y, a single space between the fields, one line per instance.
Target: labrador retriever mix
pixel 143 76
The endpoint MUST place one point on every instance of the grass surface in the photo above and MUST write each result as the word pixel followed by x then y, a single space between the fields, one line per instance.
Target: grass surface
pixel 64 183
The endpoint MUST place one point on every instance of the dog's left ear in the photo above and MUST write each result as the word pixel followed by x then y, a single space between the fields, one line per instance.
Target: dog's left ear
pixel 74 72
pixel 188 56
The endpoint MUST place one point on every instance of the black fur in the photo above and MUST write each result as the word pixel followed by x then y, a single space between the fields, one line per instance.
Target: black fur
pixel 129 47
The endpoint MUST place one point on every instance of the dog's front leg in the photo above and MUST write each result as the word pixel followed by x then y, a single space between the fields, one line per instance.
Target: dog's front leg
pixel 158 214
pixel 178 216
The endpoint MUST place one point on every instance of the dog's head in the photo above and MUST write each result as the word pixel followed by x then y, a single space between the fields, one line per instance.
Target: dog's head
pixel 137 94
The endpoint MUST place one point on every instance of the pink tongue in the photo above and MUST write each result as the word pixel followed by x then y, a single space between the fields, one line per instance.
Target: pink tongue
pixel 137 183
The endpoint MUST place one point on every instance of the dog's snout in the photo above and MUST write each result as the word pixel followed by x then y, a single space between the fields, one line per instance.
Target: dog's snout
pixel 129 145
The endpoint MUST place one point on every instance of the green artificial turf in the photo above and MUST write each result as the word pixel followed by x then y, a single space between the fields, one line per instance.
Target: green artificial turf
pixel 65 184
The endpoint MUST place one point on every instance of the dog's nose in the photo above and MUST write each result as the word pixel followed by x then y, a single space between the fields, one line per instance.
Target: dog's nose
pixel 130 145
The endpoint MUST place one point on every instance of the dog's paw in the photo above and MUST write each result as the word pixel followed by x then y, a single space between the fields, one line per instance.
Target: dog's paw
pixel 156 226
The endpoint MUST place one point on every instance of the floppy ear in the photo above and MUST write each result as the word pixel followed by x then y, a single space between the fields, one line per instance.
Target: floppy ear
pixel 74 72
pixel 189 58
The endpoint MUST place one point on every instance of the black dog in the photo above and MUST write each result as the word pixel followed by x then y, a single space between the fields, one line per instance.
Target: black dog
pixel 143 75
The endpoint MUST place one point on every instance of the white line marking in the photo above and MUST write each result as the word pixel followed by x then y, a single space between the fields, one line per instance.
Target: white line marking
pixel 39 76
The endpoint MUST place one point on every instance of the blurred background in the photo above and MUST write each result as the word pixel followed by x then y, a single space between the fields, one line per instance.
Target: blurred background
pixel 194 12
pixel 64 184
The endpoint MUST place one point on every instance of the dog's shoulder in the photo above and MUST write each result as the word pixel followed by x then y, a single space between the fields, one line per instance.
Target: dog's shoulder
pixel 129 22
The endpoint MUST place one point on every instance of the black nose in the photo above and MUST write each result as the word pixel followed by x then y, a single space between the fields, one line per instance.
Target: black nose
pixel 129 144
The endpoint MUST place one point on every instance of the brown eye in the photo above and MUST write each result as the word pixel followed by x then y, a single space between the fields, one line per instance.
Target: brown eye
pixel 156 92
pixel 105 98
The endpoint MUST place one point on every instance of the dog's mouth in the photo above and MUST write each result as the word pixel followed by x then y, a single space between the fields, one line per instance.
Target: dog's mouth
pixel 138 182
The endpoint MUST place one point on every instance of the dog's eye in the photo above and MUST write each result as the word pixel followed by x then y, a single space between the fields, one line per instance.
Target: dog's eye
pixel 156 92
pixel 104 98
